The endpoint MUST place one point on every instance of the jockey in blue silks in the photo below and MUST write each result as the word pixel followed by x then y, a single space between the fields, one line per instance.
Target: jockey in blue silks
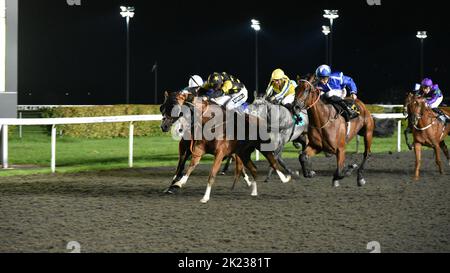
pixel 335 87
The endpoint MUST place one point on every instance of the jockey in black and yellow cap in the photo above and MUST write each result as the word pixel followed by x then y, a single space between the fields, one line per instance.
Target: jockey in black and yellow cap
pixel 226 90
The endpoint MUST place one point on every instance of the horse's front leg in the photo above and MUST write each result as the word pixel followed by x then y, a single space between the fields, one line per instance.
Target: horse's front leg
pixel 305 161
pixel 212 177
pixel 406 132
pixel 184 153
pixel 418 152
pixel 339 174
pixel 196 157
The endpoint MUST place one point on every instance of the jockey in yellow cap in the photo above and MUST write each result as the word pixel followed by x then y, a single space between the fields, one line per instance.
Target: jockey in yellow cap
pixel 281 90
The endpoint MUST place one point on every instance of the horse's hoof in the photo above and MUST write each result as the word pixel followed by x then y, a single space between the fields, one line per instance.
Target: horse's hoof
pixel 362 182
pixel 223 173
pixel 416 178
pixel 336 184
pixel 311 174
pixel 204 201
pixel 266 181
pixel 297 174
pixel 172 190
pixel 410 147
pixel 288 179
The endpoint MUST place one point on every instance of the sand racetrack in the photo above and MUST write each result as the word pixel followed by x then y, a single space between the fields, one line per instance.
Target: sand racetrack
pixel 126 211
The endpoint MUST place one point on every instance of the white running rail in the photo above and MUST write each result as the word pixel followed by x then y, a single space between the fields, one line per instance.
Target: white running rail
pixel 60 121
pixel 4 123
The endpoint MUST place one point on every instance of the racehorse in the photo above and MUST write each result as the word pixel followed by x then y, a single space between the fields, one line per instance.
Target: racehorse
pixel 221 148
pixel 427 131
pixel 184 146
pixel 329 132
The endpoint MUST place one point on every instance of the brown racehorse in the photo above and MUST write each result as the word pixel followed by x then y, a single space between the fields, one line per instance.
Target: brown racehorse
pixel 223 147
pixel 427 131
pixel 184 148
pixel 328 132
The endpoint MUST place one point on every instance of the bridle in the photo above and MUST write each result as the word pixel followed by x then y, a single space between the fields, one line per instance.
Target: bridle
pixel 305 95
pixel 308 92
pixel 418 117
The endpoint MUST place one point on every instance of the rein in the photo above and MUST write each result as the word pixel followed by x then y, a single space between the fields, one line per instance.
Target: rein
pixel 314 104
pixel 433 121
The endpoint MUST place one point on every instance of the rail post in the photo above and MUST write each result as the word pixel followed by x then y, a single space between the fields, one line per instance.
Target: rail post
pixel 4 132
pixel 53 160
pixel 130 156
pixel 399 137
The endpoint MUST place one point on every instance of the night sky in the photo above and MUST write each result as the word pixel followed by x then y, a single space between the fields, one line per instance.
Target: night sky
pixel 76 54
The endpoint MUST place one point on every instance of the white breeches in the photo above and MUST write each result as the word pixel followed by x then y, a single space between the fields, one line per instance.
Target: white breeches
pixel 338 93
pixel 288 99
pixel 233 101
pixel 437 103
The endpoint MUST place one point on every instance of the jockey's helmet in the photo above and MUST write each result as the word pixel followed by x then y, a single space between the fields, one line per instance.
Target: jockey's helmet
pixel 195 81
pixel 323 71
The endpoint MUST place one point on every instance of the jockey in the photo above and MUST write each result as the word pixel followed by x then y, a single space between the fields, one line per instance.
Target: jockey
pixel 335 86
pixel 195 83
pixel 281 90
pixel 226 90
pixel 433 96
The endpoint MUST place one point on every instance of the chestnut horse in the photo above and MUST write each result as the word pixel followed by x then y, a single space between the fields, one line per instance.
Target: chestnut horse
pixel 328 131
pixel 224 146
pixel 172 99
pixel 427 131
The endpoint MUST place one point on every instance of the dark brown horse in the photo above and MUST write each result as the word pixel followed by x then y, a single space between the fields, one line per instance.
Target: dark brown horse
pixel 328 132
pixel 427 131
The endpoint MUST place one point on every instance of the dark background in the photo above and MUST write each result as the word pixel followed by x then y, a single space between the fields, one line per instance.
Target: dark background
pixel 76 54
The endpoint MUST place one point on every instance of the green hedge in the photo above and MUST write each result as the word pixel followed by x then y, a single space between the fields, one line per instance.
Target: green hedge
pixel 112 130
pixel 375 109
pixel 106 130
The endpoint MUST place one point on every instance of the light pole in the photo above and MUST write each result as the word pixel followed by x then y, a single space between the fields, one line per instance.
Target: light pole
pixel 155 70
pixel 331 15
pixel 326 30
pixel 422 35
pixel 127 12
pixel 257 27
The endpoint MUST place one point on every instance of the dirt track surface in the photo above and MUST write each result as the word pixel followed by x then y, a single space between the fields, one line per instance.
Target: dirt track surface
pixel 125 211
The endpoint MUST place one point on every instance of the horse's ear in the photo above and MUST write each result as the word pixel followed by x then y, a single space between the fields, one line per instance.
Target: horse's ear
pixel 166 94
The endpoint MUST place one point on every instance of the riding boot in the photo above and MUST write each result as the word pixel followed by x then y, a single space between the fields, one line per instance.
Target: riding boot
pixel 350 112
pixel 441 115
pixel 343 105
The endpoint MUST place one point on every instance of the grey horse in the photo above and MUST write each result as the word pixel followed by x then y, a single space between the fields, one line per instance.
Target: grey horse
pixel 284 131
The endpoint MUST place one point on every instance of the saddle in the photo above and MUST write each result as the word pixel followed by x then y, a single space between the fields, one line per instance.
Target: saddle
pixel 347 108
